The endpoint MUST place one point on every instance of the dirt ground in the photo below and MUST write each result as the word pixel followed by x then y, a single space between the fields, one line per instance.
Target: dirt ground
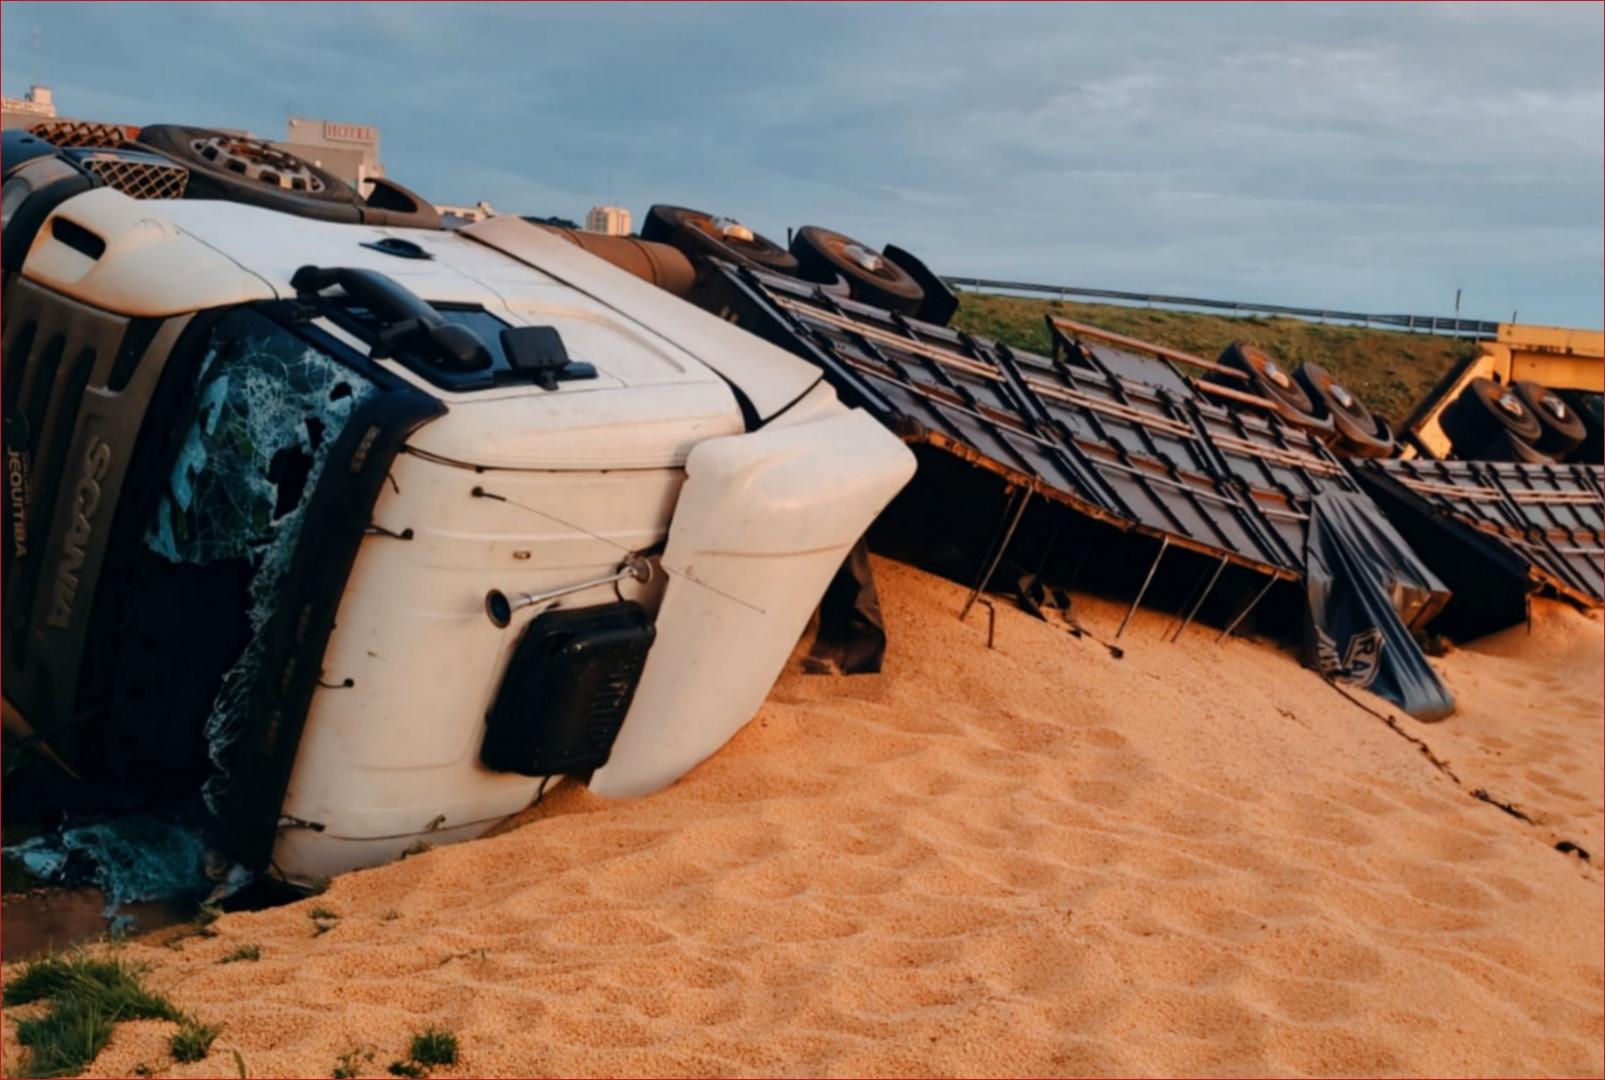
pixel 1031 860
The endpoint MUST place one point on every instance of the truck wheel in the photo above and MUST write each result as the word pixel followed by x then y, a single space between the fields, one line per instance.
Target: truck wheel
pixel 701 236
pixel 874 279
pixel 837 286
pixel 1586 407
pixel 1483 410
pixel 1379 444
pixel 1560 428
pixel 247 170
pixel 1271 381
pixel 1506 445
pixel 940 303
pixel 1358 432
pixel 388 203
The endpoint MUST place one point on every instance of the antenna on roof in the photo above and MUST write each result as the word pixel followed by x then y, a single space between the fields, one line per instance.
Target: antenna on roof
pixel 35 80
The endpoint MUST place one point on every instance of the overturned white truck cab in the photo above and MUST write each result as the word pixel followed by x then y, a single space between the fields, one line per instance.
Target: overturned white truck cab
pixel 363 535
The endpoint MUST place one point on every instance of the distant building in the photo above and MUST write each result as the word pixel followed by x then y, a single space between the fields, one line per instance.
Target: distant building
pixel 350 151
pixel 608 220
pixel 455 217
pixel 37 104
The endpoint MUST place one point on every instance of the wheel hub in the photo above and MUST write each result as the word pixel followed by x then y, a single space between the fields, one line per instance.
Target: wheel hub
pixel 731 229
pixel 1273 371
pixel 1512 406
pixel 256 160
pixel 865 258
pixel 1554 406
pixel 1341 393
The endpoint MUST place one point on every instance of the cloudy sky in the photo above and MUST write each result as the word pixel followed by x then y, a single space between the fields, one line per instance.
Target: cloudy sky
pixel 1371 157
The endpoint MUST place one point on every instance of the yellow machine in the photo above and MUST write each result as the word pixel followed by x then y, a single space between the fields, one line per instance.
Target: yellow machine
pixel 1553 357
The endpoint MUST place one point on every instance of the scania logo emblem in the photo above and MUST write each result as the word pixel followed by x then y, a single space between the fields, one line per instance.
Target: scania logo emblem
pixel 85 501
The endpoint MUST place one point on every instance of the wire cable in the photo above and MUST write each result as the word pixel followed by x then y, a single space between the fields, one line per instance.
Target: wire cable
pixel 481 493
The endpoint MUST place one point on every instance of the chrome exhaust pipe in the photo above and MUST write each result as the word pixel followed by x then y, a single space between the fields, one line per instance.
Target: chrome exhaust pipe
pixel 499 606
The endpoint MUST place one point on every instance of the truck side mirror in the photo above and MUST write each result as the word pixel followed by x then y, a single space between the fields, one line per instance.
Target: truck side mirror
pixel 539 352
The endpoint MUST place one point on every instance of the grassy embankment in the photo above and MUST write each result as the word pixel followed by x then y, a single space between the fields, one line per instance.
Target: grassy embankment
pixel 1388 369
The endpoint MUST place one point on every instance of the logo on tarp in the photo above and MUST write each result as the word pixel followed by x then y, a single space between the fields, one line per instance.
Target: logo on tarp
pixel 1359 663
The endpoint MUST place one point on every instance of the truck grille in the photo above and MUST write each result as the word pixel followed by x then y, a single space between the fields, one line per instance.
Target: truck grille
pixel 66 133
pixel 140 179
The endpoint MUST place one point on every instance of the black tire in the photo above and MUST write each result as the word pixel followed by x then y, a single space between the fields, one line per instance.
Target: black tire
pixel 1560 428
pixel 391 204
pixel 1590 408
pixel 1483 410
pixel 1506 445
pixel 839 287
pixel 1271 381
pixel 1380 443
pixel 822 255
pixel 1357 432
pixel 701 236
pixel 239 169
pixel 940 303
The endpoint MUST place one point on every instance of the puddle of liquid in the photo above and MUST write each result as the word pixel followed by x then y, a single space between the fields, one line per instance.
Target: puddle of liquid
pixel 41 921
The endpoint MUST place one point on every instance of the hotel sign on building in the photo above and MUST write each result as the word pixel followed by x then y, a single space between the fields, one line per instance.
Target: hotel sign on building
pixel 335 131
pixel 350 151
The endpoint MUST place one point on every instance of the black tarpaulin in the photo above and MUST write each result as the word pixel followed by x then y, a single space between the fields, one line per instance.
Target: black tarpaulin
pixel 1365 587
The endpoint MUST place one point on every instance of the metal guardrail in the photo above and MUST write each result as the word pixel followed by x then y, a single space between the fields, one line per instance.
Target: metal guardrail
pixel 1447 326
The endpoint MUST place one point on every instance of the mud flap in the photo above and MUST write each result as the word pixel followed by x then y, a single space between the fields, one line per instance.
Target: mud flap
pixel 851 638
pixel 1366 589
pixel 763 523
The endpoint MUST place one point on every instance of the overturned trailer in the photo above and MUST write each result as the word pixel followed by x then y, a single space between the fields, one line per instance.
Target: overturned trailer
pixel 1498 532
pixel 1236 458
pixel 1131 442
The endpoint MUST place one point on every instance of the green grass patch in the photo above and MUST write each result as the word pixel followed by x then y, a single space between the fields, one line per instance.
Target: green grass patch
pixel 244 952
pixel 87 997
pixel 432 1046
pixel 323 920
pixel 350 1063
pixel 1389 370
pixel 193 1040
pixel 429 1048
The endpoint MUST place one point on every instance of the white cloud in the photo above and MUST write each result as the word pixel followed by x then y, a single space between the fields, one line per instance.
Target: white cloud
pixel 1365 156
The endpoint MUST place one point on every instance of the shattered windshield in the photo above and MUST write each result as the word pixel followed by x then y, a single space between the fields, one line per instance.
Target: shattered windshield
pixel 260 410
pixel 267 406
